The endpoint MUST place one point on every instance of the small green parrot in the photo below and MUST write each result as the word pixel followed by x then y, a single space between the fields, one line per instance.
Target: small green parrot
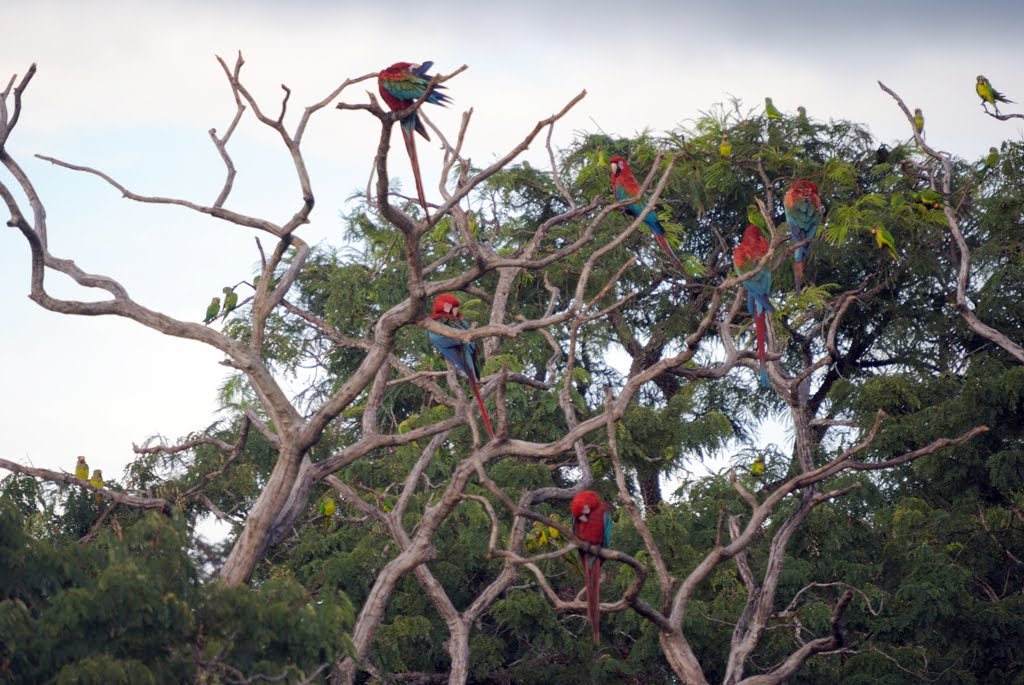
pixel 919 121
pixel 928 197
pixel 81 469
pixel 771 110
pixel 757 468
pixel 989 94
pixel 992 159
pixel 212 311
pixel 754 216
pixel 96 481
pixel 230 302
pixel 884 239
pixel 326 510
pixel 725 147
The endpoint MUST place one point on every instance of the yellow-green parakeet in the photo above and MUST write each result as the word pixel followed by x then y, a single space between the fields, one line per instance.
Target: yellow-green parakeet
pixel 230 302
pixel 96 481
pixel 81 469
pixel 725 147
pixel 212 310
pixel 919 120
pixel 757 468
pixel 992 159
pixel 754 216
pixel 989 94
pixel 884 239
pixel 326 510
pixel 771 110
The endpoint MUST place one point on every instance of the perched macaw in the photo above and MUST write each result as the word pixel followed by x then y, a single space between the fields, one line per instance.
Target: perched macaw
pixel 81 469
pixel 919 121
pixel 745 258
pixel 989 94
pixel 96 481
pixel 884 239
pixel 754 216
pixel 757 468
pixel 230 301
pixel 725 147
pixel 625 186
pixel 212 310
pixel 592 522
pixel 402 84
pixel 771 110
pixel 992 159
pixel 803 215
pixel 463 356
pixel 326 511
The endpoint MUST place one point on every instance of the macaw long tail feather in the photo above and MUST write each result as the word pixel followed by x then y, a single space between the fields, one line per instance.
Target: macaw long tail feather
pixel 798 275
pixel 592 566
pixel 760 328
pixel 410 146
pixel 667 248
pixel 480 403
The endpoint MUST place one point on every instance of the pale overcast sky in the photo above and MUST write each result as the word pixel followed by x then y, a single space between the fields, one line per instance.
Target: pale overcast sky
pixel 132 88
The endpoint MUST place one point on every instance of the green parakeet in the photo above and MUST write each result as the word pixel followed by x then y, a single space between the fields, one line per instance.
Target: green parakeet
pixel 992 159
pixel 989 94
pixel 212 310
pixel 884 239
pixel 757 468
pixel 754 216
pixel 96 481
pixel 928 197
pixel 725 147
pixel 770 110
pixel 230 301
pixel 81 469
pixel 326 510
pixel 918 121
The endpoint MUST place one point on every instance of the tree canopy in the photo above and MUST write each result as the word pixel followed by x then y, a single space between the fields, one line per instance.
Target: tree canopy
pixel 379 535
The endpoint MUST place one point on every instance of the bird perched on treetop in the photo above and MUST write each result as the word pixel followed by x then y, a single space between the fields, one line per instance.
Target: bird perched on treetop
pixel 725 147
pixel 625 185
pixel 592 522
pixel 803 215
pixel 96 481
pixel 919 121
pixel 989 94
pixel 992 159
pixel 230 301
pixel 464 356
pixel 745 259
pixel 771 110
pixel 81 469
pixel 212 310
pixel 402 84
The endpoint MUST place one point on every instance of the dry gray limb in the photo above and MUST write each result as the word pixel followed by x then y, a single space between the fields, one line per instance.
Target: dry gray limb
pixel 70 479
pixel 964 275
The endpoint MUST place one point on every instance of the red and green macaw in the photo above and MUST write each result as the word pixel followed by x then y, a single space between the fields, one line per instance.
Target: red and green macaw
pixel 745 258
pixel 592 522
pixel 402 84
pixel 464 356
pixel 803 215
pixel 625 186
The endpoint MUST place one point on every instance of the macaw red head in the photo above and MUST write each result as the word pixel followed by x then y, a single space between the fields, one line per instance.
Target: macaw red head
pixel 446 307
pixel 751 248
pixel 619 165
pixel 396 68
pixel 804 188
pixel 584 504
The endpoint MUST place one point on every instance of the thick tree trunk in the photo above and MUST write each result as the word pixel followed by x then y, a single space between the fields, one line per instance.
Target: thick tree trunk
pixel 681 658
pixel 258 533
